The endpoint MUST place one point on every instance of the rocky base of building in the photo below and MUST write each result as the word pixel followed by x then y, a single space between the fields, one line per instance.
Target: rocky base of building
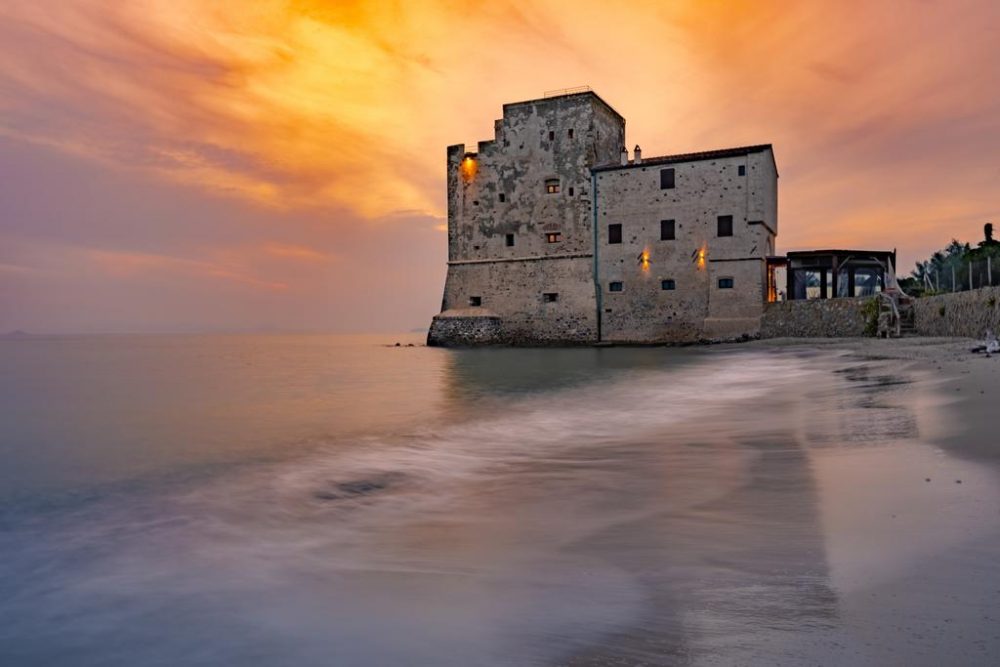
pixel 466 329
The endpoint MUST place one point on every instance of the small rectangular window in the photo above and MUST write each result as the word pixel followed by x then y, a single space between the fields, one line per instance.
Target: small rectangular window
pixel 503 197
pixel 725 283
pixel 571 191
pixel 509 240
pixel 615 286
pixel 549 297
pixel 725 225
pixel 668 284
pixel 667 230
pixel 475 301
pixel 553 237
pixel 666 179
pixel 552 186
pixel 742 171
pixel 570 133
pixel 552 135
pixel 614 233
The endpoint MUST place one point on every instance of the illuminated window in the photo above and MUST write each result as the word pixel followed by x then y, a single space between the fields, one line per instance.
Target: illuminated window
pixel 725 283
pixel 667 230
pixel 742 171
pixel 553 237
pixel 510 240
pixel 475 301
pixel 549 297
pixel 725 225
pixel 668 284
pixel 552 186
pixel 615 286
pixel 614 233
pixel 666 179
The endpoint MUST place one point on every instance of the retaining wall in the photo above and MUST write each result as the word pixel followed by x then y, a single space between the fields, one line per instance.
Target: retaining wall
pixel 965 314
pixel 814 318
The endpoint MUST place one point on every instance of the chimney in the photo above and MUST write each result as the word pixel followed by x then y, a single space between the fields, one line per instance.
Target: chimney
pixel 638 154
pixel 624 156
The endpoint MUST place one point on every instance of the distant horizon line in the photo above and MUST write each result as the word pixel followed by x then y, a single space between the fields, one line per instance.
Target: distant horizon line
pixel 22 333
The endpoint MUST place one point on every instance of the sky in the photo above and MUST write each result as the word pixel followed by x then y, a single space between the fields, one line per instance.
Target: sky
pixel 190 165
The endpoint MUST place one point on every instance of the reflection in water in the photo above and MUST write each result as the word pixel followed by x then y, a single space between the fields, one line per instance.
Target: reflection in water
pixel 613 506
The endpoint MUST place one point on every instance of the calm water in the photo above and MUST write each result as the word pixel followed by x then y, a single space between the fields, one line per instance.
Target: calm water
pixel 306 500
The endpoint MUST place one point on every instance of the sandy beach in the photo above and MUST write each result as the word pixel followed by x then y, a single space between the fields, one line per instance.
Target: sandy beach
pixel 912 527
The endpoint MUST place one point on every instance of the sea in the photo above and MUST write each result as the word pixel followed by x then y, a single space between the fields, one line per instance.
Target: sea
pixel 365 500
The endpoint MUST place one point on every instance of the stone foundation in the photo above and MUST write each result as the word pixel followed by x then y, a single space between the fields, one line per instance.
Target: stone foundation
pixel 465 330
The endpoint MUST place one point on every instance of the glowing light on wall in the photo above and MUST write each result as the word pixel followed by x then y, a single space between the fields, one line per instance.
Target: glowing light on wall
pixel 644 260
pixel 702 254
pixel 469 167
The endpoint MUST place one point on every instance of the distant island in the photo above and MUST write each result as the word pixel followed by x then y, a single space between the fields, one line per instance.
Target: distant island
pixel 17 334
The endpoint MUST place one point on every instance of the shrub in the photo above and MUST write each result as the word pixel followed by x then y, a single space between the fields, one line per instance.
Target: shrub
pixel 870 310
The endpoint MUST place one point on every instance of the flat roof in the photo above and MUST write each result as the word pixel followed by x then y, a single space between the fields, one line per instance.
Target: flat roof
pixel 717 154
pixel 581 93
pixel 840 251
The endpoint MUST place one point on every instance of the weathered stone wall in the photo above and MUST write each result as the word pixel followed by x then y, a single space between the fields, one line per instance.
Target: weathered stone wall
pixel 501 213
pixel 697 308
pixel 515 291
pixel 965 314
pixel 814 318
pixel 450 329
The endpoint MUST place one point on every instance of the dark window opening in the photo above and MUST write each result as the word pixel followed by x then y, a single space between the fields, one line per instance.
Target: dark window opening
pixel 509 240
pixel 742 170
pixel 666 179
pixel 725 283
pixel 552 186
pixel 552 135
pixel 668 284
pixel 614 233
pixel 667 230
pixel 475 202
pixel 571 191
pixel 475 301
pixel 553 237
pixel 549 297
pixel 725 225
pixel 615 286
pixel 503 197
pixel 570 133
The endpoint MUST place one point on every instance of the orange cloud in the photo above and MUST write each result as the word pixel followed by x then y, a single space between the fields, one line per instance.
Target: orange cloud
pixel 875 113
pixel 295 252
pixel 125 264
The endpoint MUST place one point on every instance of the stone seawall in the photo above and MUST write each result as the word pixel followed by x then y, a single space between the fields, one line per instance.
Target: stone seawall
pixel 963 314
pixel 465 331
pixel 815 318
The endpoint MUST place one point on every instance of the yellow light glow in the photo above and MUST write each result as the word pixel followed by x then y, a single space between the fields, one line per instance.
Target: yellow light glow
pixel 702 253
pixel 644 260
pixel 469 168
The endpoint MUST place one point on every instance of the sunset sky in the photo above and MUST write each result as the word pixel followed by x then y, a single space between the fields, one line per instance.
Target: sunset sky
pixel 187 165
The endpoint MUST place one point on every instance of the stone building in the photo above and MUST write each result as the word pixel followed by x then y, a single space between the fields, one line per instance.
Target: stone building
pixel 556 237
